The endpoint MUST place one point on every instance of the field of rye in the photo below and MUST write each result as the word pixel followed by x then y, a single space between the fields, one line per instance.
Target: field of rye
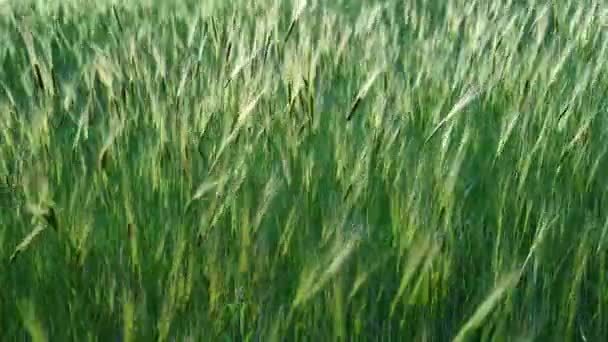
pixel 397 170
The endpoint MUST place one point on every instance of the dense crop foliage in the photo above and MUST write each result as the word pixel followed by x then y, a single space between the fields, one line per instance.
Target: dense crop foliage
pixel 404 170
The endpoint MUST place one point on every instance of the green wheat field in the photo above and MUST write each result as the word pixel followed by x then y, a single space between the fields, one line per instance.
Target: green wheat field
pixel 398 170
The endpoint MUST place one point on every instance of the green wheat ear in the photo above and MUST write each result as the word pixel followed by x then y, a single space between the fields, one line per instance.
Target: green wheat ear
pixel 27 241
